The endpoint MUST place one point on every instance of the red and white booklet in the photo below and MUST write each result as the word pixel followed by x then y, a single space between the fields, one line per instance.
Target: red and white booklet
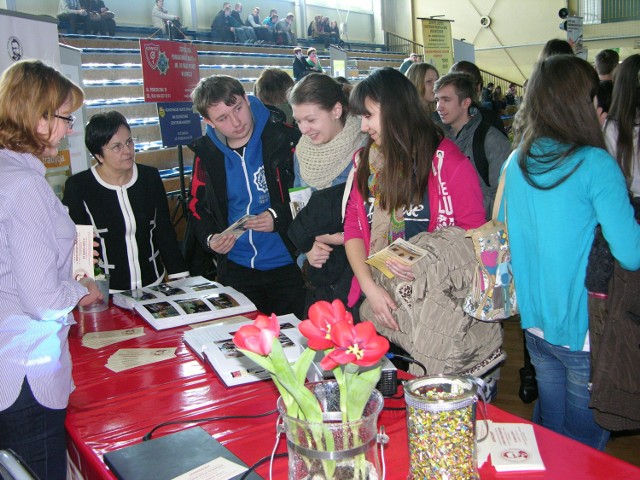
pixel 83 252
pixel 512 446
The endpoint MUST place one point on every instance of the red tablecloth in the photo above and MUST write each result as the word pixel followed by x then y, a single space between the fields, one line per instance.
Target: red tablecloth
pixel 111 410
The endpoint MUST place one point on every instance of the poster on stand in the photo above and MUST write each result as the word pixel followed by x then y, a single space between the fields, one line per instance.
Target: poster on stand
pixel 170 70
pixel 438 46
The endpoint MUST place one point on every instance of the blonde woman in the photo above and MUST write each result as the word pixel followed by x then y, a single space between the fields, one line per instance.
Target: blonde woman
pixel 37 289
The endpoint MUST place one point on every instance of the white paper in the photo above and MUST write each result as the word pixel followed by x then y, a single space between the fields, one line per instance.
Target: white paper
pixel 299 198
pixel 218 469
pixel 512 446
pixel 83 252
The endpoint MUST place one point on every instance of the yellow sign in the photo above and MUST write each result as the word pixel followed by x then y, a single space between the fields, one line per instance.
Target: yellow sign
pixel 438 46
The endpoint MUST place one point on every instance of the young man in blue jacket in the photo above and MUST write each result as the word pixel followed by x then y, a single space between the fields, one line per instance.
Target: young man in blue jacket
pixel 244 165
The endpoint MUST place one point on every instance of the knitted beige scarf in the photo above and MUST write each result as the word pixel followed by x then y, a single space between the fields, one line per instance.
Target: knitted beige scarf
pixel 321 164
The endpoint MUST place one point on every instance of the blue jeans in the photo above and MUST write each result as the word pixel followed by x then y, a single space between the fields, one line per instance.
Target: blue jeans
pixel 37 434
pixel 563 395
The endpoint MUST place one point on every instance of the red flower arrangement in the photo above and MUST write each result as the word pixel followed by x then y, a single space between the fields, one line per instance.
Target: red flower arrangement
pixel 347 347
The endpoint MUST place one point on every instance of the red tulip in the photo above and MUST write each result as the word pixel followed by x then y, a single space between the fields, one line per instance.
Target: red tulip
pixel 358 344
pixel 258 338
pixel 322 315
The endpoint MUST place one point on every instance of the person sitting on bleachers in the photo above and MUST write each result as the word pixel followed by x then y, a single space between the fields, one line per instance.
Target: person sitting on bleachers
pixel 101 19
pixel 284 34
pixel 300 66
pixel 164 21
pixel 271 21
pixel 72 12
pixel 334 34
pixel 244 34
pixel 313 61
pixel 222 29
pixel 317 32
pixel 261 31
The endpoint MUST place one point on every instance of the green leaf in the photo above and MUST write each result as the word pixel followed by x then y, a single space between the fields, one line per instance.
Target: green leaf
pixel 301 367
pixel 360 387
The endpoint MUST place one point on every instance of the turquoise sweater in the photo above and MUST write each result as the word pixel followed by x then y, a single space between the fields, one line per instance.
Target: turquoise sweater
pixel 551 233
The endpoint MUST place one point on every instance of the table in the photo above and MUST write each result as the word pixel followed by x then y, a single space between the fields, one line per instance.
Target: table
pixel 111 410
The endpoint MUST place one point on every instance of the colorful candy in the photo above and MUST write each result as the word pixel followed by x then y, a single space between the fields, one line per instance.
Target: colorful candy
pixel 441 428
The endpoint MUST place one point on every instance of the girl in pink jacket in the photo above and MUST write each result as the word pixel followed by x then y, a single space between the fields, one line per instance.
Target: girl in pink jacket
pixel 409 179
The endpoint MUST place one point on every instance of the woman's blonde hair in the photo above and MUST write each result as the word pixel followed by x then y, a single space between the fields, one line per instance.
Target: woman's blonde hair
pixel 416 74
pixel 30 91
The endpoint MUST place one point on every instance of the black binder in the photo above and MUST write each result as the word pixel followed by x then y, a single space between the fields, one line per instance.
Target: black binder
pixel 167 457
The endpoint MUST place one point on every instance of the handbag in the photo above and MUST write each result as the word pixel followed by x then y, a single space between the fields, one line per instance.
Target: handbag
pixel 108 15
pixel 492 294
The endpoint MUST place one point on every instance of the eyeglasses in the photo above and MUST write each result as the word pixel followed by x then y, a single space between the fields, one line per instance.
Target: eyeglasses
pixel 70 119
pixel 118 147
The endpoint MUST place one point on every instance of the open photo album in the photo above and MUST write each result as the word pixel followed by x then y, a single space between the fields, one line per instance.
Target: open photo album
pixel 214 345
pixel 182 302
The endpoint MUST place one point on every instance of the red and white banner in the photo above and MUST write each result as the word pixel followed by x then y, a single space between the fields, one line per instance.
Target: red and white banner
pixel 169 70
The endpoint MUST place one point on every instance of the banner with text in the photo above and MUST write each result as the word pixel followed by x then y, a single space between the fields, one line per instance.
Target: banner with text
pixel 575 34
pixel 169 70
pixel 179 125
pixel 438 46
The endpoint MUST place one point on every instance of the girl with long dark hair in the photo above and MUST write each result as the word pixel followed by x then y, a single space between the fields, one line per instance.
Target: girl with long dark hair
pixel 409 179
pixel 561 183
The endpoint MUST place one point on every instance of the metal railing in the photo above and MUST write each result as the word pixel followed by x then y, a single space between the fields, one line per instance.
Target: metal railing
pixel 396 43
pixel 499 81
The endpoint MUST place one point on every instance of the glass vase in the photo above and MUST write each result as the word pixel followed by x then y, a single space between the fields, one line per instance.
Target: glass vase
pixel 441 421
pixel 333 449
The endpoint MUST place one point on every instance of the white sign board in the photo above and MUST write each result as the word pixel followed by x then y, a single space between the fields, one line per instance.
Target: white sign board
pixel 28 36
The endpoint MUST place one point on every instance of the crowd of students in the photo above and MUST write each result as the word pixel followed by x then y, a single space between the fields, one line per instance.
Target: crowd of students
pixel 397 156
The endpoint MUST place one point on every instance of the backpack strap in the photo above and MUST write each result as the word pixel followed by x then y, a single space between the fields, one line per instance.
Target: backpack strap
pixel 479 154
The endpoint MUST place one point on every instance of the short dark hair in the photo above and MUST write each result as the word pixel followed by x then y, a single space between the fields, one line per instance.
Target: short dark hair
pixel 606 61
pixel 101 128
pixel 471 69
pixel 216 89
pixel 272 86
pixel 462 83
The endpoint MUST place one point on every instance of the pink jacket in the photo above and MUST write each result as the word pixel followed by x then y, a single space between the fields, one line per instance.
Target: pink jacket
pixel 455 198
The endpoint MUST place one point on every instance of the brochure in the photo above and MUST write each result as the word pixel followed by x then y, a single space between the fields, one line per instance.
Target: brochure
pixel 182 302
pixel 512 447
pixel 214 344
pixel 83 252
pixel 237 228
pixel 299 198
pixel 399 250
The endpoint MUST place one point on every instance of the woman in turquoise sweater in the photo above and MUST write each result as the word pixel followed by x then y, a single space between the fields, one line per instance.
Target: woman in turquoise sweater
pixel 561 183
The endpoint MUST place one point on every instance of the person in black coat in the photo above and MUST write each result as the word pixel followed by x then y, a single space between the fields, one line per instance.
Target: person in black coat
pixel 300 66
pixel 101 19
pixel 222 29
pixel 127 205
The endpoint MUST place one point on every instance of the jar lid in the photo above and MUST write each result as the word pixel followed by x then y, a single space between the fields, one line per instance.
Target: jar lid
pixel 437 393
